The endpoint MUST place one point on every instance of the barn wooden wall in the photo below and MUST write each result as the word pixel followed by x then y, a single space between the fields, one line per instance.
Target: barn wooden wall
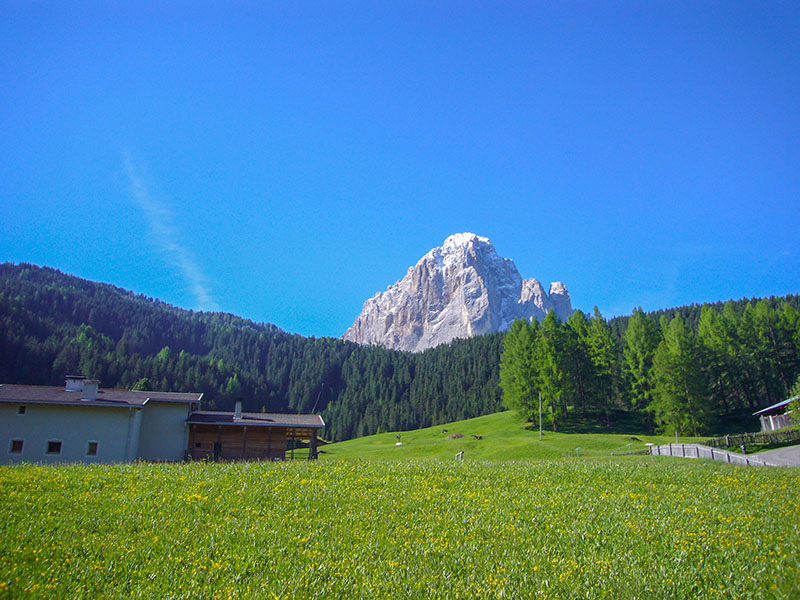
pixel 238 443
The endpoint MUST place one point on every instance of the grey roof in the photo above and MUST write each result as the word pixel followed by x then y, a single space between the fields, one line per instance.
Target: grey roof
pixel 49 394
pixel 206 417
pixel 776 406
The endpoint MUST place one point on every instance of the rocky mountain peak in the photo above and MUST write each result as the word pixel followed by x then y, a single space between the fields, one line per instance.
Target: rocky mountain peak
pixel 458 240
pixel 459 289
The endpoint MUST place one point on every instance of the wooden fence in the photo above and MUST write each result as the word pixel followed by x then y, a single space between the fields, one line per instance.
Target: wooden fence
pixel 760 438
pixel 701 451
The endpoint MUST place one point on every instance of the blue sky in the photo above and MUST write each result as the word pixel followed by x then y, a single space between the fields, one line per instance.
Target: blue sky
pixel 284 161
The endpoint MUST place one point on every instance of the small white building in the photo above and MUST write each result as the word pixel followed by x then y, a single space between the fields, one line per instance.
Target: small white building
pixel 776 416
pixel 82 422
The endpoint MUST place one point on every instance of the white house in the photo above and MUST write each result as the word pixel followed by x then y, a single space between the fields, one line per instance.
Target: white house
pixel 82 422
pixel 776 416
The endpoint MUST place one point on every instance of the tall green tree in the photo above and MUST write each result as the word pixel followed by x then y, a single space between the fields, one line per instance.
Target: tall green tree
pixel 681 390
pixel 603 352
pixel 713 347
pixel 518 375
pixel 748 353
pixel 777 346
pixel 552 368
pixel 641 340
pixel 579 365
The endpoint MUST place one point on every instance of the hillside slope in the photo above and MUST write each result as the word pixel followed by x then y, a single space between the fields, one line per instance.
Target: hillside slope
pixel 499 436
pixel 52 324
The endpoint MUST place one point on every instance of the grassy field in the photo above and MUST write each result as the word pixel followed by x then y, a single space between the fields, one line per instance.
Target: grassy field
pixel 631 527
pixel 502 437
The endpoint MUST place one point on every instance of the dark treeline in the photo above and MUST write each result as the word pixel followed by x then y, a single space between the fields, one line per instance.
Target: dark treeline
pixel 684 369
pixel 52 324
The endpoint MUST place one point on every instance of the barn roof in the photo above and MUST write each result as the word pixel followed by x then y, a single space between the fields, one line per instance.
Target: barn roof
pixel 49 394
pixel 775 407
pixel 206 417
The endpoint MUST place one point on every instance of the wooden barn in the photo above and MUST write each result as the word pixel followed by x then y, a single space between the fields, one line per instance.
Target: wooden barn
pixel 250 436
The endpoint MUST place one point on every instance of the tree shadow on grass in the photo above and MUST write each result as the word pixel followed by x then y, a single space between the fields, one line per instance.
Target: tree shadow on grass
pixel 640 422
pixel 615 421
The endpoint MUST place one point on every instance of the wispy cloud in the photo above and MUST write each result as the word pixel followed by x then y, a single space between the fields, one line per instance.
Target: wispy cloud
pixel 166 235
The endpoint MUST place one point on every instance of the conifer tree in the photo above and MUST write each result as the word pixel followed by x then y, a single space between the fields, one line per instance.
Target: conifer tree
pixel 712 346
pixel 603 353
pixel 518 376
pixel 552 369
pixel 680 393
pixel 641 340
pixel 580 367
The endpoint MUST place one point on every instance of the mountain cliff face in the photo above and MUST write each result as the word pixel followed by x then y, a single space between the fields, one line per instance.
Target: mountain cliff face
pixel 461 289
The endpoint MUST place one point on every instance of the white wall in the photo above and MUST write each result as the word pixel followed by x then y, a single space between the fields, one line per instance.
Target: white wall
pixel 163 432
pixel 74 426
pixel 773 422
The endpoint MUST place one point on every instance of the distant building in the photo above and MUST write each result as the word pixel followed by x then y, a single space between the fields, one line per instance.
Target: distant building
pixel 82 422
pixel 249 436
pixel 775 416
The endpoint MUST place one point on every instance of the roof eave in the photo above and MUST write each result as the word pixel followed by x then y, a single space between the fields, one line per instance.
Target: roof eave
pixel 100 403
pixel 175 400
pixel 780 404
pixel 256 424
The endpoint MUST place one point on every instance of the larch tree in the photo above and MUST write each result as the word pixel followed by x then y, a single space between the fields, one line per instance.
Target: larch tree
pixel 579 361
pixel 713 346
pixel 641 339
pixel 680 398
pixel 518 375
pixel 552 368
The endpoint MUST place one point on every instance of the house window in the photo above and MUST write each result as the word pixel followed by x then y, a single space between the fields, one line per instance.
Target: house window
pixel 22 409
pixel 53 447
pixel 16 447
pixel 91 448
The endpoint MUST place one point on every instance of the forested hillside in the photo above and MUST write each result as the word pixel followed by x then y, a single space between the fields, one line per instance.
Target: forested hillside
pixel 52 324
pixel 685 369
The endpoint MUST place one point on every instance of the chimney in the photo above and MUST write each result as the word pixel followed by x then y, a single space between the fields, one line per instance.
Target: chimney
pixel 90 389
pixel 75 383
pixel 237 412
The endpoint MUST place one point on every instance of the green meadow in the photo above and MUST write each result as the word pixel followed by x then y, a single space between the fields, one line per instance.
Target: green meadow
pixel 500 436
pixel 545 524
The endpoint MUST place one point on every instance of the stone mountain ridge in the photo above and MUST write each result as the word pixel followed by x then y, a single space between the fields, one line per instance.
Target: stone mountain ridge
pixel 458 290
